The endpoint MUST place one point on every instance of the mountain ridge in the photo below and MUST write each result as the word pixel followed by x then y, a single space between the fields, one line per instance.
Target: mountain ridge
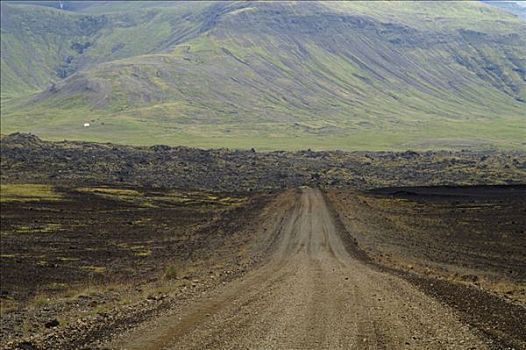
pixel 289 75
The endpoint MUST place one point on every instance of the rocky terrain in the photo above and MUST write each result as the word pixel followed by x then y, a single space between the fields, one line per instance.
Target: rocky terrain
pixel 83 262
pixel 109 246
pixel 445 231
pixel 463 245
pixel 28 159
pixel 292 257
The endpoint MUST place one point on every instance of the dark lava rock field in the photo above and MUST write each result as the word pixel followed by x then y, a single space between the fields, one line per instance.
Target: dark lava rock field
pixel 26 158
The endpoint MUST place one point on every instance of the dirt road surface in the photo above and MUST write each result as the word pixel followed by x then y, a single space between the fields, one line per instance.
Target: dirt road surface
pixel 312 293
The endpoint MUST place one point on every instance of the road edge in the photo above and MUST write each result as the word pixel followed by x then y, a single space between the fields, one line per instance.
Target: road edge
pixel 500 323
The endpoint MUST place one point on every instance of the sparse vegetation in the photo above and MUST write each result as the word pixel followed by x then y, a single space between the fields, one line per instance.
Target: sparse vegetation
pixel 95 269
pixel 156 198
pixel 170 272
pixel 99 233
pixel 27 192
pixel 46 228
pixel 40 300
pixel 430 230
pixel 117 192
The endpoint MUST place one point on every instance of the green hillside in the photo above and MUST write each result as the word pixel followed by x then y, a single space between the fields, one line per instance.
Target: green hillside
pixel 357 75
pixel 42 45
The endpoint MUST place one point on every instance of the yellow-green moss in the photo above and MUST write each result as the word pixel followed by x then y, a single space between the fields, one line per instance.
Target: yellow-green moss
pixel 27 192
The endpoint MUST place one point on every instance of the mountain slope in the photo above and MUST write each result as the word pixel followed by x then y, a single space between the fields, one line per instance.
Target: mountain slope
pixel 34 42
pixel 41 45
pixel 289 75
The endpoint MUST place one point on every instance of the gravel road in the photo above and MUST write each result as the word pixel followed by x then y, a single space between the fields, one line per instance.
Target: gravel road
pixel 312 293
